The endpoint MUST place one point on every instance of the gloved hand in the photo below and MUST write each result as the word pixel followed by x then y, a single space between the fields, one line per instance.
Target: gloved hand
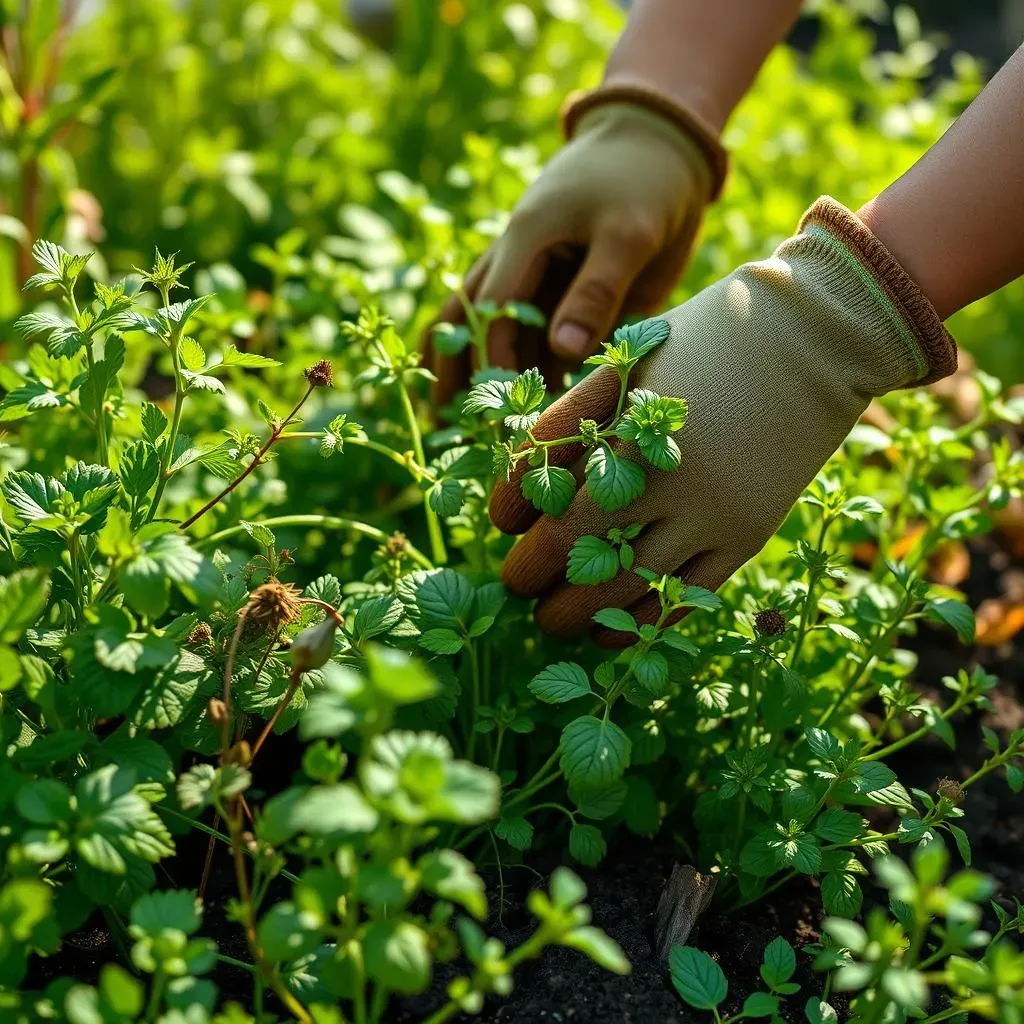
pixel 630 188
pixel 777 361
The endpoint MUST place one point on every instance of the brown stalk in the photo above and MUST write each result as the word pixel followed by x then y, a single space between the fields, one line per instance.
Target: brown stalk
pixel 275 434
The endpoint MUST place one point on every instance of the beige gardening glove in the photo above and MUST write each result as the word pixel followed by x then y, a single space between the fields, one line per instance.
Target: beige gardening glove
pixel 604 233
pixel 777 361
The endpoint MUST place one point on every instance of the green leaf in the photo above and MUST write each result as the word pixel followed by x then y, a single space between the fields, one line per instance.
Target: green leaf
pixel 840 894
pixel 192 355
pixel 612 481
pixel 618 619
pixel 286 933
pixel 489 395
pixel 835 825
pixel 595 752
pixel 605 952
pixel 651 671
pixel 697 978
pixel 963 843
pixel 592 560
pixel 450 339
pixel 643 337
pixel 586 844
pixel 439 598
pixel 23 596
pixel 375 616
pixel 323 810
pixel 441 641
pixel 451 876
pixel 248 360
pixel 549 489
pixel 600 803
pixel 139 468
pixel 955 614
pixel 760 1004
pixel 907 988
pixel 871 776
pixel 817 1011
pixel 779 963
pixel 517 832
pixel 563 681
pixel 446 496
pixel 822 743
pixel 399 677
pixel 44 802
pixel 397 956
pixel 175 909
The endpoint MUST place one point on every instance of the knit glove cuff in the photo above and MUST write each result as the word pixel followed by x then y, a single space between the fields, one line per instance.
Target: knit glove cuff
pixel 917 333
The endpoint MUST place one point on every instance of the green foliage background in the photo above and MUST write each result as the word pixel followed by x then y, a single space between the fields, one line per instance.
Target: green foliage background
pixel 226 124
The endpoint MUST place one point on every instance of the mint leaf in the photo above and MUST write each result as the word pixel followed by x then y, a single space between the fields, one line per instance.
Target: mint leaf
pixel 549 489
pixel 587 845
pixel 613 481
pixel 595 752
pixel 592 560
pixel 697 978
pixel 560 682
pixel 617 618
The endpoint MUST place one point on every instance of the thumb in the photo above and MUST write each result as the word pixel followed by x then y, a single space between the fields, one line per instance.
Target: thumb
pixel 593 305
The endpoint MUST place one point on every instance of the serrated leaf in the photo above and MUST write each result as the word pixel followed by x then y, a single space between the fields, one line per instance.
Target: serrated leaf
pixel 586 844
pixel 560 682
pixel 613 481
pixel 441 641
pixel 841 894
pixel 549 489
pixel 697 978
pixel 192 355
pixel 592 560
pixel 594 752
pixel 779 962
pixel 446 496
pixel 517 832
pixel 618 619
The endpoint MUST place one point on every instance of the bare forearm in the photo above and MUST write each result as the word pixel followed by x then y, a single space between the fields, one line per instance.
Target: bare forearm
pixel 955 220
pixel 703 54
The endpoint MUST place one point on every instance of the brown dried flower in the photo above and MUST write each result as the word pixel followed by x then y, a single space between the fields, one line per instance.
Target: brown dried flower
pixel 321 374
pixel 201 634
pixel 951 790
pixel 396 546
pixel 770 622
pixel 273 604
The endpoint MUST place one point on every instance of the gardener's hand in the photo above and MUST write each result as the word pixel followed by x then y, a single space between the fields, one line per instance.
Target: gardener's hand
pixel 630 190
pixel 777 362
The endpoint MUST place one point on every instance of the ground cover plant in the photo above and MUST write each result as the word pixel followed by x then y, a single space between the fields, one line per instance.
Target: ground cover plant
pixel 253 640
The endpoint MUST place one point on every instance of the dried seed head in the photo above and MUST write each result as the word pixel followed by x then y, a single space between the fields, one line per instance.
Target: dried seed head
pixel 396 546
pixel 321 374
pixel 770 622
pixel 216 711
pixel 951 790
pixel 273 604
pixel 313 647
pixel 201 634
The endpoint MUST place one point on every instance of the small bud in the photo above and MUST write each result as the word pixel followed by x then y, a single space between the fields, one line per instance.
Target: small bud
pixel 321 374
pixel 770 622
pixel 216 711
pixel 589 431
pixel 240 753
pixel 396 546
pixel 200 635
pixel 274 604
pixel 313 647
pixel 951 790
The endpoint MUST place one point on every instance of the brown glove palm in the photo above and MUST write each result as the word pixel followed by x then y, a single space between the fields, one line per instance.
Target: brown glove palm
pixel 777 362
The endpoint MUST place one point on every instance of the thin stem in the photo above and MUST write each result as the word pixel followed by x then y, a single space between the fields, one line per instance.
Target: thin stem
pixel 322 522
pixel 437 548
pixel 812 582
pixel 101 416
pixel 225 959
pixel 905 741
pixel 172 434
pixel 418 472
pixel 294 1007
pixel 474 668
pixel 275 433
pixel 286 699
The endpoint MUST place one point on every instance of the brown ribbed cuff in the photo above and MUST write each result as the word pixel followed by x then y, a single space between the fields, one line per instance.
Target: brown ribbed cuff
pixel 703 136
pixel 936 343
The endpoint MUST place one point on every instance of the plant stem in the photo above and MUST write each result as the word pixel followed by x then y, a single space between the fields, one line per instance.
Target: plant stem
pixel 912 736
pixel 225 959
pixel 275 433
pixel 172 434
pixel 286 699
pixel 474 669
pixel 324 522
pixel 419 472
pixel 437 548
pixel 294 1007
pixel 812 582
